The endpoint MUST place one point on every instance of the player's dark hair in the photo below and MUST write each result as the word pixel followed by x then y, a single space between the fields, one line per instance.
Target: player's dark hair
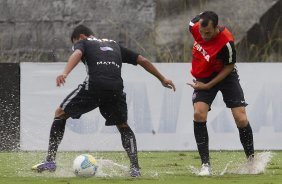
pixel 81 29
pixel 206 16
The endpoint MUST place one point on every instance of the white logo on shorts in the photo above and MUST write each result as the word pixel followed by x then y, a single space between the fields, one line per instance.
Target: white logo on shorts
pixel 106 49
pixel 194 96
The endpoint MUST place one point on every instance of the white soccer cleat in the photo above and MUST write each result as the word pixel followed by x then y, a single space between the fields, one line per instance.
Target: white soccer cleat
pixel 205 170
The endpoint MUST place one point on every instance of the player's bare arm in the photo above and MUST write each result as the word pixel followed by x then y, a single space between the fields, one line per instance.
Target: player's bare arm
pixel 148 66
pixel 197 85
pixel 72 62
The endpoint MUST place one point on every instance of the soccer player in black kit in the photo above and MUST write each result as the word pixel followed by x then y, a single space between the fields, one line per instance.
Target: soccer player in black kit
pixel 103 88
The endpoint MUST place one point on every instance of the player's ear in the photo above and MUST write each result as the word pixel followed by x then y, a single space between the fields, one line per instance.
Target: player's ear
pixel 82 37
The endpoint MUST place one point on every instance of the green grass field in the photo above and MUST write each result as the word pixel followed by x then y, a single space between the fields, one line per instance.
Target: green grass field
pixel 157 167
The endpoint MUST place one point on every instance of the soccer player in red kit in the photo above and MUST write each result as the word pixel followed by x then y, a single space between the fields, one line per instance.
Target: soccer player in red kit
pixel 213 66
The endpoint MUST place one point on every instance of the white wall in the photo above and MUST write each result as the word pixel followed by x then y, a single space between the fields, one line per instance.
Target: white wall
pixel 161 119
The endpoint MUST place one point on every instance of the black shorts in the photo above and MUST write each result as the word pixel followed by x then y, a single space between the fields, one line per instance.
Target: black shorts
pixel 230 88
pixel 111 103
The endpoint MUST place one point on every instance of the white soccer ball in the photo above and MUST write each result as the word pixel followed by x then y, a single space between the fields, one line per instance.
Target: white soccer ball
pixel 85 165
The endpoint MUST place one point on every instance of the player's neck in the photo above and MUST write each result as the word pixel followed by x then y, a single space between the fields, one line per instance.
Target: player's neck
pixel 216 32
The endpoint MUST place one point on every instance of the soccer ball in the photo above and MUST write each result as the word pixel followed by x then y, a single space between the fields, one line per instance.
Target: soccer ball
pixel 85 166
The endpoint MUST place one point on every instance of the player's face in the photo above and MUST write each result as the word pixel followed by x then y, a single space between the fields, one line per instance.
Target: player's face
pixel 207 32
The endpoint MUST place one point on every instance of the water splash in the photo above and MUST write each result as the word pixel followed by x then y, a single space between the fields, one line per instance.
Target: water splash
pixel 255 166
pixel 106 168
pixel 193 170
pixel 225 169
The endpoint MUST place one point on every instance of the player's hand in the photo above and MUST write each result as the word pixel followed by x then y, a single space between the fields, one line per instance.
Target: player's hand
pixel 61 79
pixel 197 85
pixel 168 84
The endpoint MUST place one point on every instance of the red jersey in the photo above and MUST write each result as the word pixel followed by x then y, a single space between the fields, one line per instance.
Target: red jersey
pixel 204 61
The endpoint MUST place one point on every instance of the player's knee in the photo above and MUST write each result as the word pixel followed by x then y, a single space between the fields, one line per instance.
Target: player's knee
pixel 200 115
pixel 240 117
pixel 241 121
pixel 60 113
pixel 123 125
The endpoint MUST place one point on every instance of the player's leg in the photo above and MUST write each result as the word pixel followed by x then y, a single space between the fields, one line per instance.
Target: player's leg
pixel 55 138
pixel 233 97
pixel 200 130
pixel 114 110
pixel 129 144
pixel 74 105
pixel 245 130
pixel 202 101
pixel 56 133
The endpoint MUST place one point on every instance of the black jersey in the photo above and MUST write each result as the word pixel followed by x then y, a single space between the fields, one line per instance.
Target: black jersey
pixel 103 60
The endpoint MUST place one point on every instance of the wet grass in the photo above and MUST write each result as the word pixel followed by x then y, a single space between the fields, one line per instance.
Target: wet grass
pixel 157 167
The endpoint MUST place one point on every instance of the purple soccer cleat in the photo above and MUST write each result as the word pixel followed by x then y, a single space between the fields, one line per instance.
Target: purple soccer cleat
pixel 45 166
pixel 134 172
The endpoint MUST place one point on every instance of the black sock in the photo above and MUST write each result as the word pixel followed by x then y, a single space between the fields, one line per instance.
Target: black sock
pixel 202 140
pixel 129 144
pixel 246 138
pixel 56 136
